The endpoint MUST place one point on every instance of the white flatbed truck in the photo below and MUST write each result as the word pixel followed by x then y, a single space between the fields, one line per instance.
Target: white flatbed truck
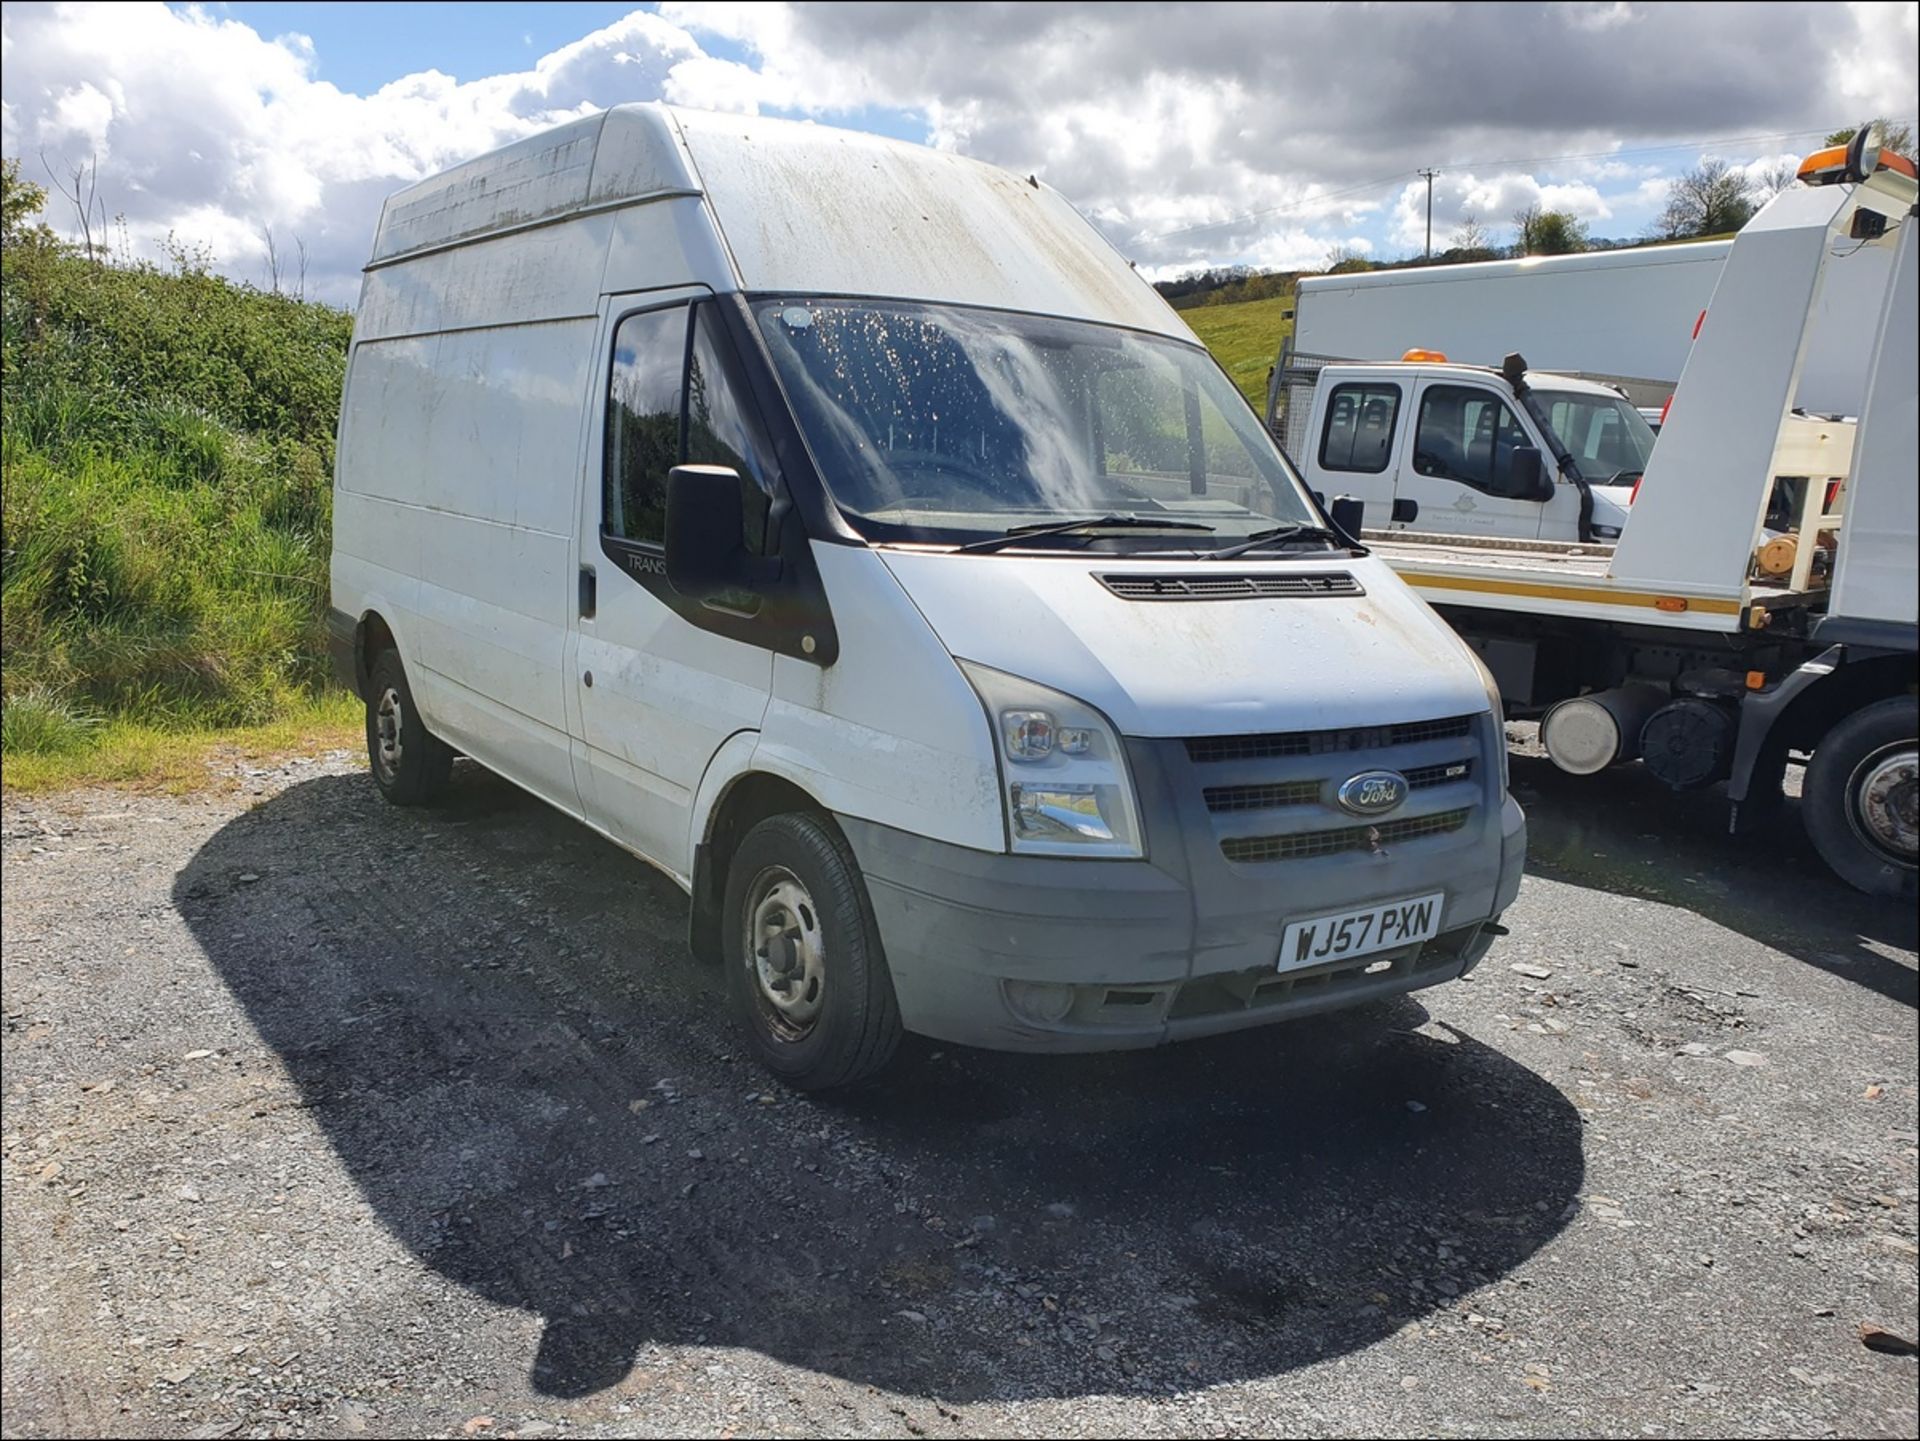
pixel 1705 643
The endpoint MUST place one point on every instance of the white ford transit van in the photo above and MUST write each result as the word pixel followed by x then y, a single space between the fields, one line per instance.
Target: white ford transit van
pixel 843 527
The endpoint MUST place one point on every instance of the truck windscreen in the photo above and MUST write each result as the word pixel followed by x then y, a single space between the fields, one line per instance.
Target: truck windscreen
pixel 943 423
pixel 1608 439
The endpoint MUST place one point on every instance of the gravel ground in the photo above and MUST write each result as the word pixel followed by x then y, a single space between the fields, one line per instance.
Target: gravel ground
pixel 325 1119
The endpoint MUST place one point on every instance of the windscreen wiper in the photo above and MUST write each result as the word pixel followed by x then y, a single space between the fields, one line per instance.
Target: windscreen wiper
pixel 1066 527
pixel 1275 535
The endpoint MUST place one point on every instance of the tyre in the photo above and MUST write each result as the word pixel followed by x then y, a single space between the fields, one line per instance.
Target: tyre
pixel 805 971
pixel 410 765
pixel 1860 797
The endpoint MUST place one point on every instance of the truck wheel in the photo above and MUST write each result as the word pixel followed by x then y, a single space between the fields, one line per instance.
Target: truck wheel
pixel 410 764
pixel 1862 788
pixel 804 964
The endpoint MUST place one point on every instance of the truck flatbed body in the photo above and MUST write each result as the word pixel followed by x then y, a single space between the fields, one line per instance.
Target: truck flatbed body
pixel 1559 579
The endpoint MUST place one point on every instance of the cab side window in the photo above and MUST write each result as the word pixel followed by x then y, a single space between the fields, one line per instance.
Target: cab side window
pixel 678 396
pixel 722 428
pixel 644 422
pixel 1468 435
pixel 1359 431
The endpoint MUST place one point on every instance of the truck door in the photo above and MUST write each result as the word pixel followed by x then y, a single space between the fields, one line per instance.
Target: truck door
pixel 1458 463
pixel 1352 443
pixel 654 691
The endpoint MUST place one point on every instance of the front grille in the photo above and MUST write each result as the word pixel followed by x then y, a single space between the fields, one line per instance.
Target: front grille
pixel 1313 743
pixel 1295 586
pixel 1260 798
pixel 1420 777
pixel 1345 838
pixel 1305 793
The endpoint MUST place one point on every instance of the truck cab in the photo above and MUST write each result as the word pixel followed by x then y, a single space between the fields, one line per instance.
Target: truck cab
pixel 1476 451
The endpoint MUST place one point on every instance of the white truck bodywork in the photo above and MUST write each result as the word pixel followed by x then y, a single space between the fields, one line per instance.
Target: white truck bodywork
pixel 1625 316
pixel 1813 655
pixel 1446 504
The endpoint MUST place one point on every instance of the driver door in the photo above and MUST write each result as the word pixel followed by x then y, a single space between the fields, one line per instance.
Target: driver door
pixel 654 695
pixel 1458 463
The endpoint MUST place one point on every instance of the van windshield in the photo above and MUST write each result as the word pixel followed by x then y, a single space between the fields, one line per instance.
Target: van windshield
pixel 1608 439
pixel 947 424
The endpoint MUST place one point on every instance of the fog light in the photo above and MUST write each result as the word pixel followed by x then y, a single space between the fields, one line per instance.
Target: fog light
pixel 1042 1001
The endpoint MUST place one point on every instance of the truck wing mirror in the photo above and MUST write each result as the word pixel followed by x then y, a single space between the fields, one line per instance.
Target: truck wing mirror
pixel 1527 477
pixel 707 556
pixel 1406 510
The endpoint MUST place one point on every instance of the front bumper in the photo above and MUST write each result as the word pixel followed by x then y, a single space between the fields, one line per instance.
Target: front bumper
pixel 1177 946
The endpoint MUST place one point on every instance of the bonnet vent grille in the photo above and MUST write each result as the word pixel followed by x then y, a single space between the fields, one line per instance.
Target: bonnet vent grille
pixel 1269 585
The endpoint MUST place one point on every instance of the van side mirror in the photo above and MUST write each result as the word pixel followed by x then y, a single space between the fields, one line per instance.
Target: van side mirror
pixel 1406 510
pixel 1348 514
pixel 707 556
pixel 1527 477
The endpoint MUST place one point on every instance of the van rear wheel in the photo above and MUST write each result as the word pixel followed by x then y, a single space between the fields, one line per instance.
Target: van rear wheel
pixel 1860 797
pixel 805 970
pixel 411 766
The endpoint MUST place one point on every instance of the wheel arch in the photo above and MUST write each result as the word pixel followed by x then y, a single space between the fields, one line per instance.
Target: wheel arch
pixel 740 802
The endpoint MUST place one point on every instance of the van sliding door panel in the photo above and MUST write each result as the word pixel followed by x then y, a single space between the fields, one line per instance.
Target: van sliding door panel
pixel 469 486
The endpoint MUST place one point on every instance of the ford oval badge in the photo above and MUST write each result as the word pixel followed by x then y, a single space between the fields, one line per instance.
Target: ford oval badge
pixel 1373 793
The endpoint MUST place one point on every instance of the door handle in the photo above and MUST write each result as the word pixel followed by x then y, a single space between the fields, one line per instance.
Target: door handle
pixel 589 592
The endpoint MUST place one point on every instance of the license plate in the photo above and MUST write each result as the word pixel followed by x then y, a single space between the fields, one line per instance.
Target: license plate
pixel 1359 933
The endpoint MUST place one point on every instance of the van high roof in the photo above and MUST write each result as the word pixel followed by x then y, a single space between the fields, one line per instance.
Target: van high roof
pixel 797 210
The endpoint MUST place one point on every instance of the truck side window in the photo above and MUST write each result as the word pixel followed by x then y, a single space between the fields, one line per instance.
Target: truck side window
pixel 1360 421
pixel 643 422
pixel 1468 435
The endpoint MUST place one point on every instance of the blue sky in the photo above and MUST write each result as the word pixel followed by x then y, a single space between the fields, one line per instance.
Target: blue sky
pixel 1208 133
pixel 360 45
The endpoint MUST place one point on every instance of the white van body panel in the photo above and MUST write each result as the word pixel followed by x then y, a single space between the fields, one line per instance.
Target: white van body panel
pixel 891 732
pixel 483 624
pixel 831 212
pixel 1178 668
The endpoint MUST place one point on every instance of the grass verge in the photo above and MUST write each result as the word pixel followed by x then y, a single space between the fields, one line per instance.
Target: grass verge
pixel 1245 339
pixel 137 755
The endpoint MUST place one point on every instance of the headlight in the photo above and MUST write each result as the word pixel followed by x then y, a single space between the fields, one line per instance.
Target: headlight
pixel 1605 532
pixel 1498 705
pixel 1063 772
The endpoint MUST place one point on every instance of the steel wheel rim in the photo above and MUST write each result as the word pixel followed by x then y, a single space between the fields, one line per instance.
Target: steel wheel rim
pixel 1883 801
pixel 388 717
pixel 785 952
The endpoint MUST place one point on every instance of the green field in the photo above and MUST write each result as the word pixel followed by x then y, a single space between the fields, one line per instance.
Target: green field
pixel 1244 338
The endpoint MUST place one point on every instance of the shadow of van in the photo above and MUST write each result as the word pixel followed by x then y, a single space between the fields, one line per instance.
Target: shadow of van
pixel 491 1014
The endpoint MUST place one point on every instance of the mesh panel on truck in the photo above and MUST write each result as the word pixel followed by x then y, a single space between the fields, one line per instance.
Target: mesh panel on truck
pixel 1293 403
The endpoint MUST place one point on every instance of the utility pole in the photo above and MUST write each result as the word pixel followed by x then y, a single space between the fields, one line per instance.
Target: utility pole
pixel 1429 174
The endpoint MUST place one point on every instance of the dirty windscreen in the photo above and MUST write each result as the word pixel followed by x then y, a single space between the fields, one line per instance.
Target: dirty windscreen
pixel 942 423
pixel 1608 439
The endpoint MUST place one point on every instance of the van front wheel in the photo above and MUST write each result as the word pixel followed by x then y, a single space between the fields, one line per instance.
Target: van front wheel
pixel 411 766
pixel 804 964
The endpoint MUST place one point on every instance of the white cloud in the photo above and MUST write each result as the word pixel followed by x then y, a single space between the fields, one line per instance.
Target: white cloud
pixel 1218 133
pixel 206 130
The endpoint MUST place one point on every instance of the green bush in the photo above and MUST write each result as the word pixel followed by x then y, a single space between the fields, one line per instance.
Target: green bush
pixel 37 722
pixel 166 442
